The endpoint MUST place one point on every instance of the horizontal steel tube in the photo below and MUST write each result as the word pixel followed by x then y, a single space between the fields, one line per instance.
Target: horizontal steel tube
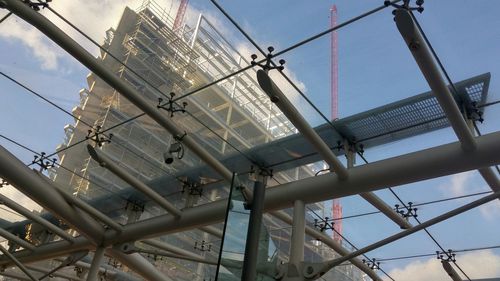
pixel 104 160
pixel 36 218
pixel 404 169
pixel 123 87
pixel 422 165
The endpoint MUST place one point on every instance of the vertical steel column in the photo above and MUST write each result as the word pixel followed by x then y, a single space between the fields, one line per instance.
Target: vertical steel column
pixel 96 264
pixel 18 263
pixel 297 241
pixel 249 272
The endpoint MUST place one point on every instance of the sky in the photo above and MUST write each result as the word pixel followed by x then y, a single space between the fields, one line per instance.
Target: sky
pixel 375 68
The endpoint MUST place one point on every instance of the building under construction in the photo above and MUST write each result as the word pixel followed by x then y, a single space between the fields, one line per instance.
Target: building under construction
pixel 187 162
pixel 159 59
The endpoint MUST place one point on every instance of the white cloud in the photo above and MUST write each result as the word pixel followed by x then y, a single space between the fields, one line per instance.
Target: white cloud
pixel 43 50
pixel 490 210
pixel 94 17
pixel 471 182
pixel 477 265
pixel 459 184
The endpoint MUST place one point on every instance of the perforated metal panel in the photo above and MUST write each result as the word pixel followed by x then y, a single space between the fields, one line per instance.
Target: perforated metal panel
pixel 412 116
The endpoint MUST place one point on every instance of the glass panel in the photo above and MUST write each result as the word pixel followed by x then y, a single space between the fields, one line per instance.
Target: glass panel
pixel 235 236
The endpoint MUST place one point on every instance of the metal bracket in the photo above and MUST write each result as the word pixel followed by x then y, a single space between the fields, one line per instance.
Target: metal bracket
pixel 322 224
pixel 268 65
pixel 204 246
pixel 373 264
pixel 448 256
pixel 171 106
pixel 192 188
pixel 97 137
pixel 406 211
pixel 43 162
pixel 135 206
pixel 406 5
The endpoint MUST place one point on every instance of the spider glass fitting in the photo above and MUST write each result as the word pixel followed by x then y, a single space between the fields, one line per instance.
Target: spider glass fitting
pixel 373 264
pixel 135 206
pixel 171 106
pixel 43 162
pixel 268 65
pixel 203 246
pixel 97 137
pixel 322 224
pixel 176 150
pixel 406 212
pixel 448 256
pixel 192 188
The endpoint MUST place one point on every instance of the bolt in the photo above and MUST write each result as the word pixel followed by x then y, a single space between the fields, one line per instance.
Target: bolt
pixel 414 46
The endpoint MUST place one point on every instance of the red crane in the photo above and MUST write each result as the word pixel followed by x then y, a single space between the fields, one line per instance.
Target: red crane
pixel 179 18
pixel 337 207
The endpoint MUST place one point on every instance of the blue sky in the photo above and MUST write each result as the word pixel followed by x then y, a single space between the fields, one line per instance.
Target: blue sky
pixel 375 68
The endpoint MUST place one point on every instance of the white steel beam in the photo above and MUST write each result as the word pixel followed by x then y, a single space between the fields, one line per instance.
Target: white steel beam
pixel 83 56
pixel 422 55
